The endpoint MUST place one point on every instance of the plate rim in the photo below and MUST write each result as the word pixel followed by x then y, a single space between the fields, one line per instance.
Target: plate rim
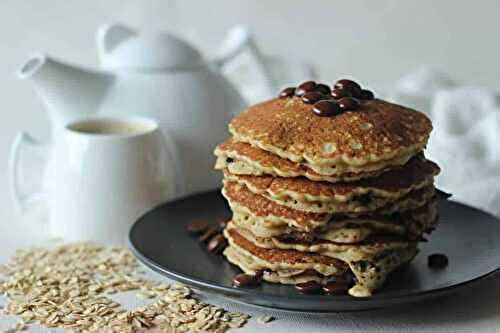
pixel 238 294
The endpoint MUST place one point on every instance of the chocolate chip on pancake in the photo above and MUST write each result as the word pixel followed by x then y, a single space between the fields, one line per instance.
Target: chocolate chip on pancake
pixel 335 288
pixel 329 188
pixel 309 287
pixel 347 85
pixel 380 132
pixel 298 237
pixel 339 93
pixel 326 108
pixel 287 92
pixel 366 94
pixel 312 97
pixel 348 103
pixel 304 88
pixel 323 89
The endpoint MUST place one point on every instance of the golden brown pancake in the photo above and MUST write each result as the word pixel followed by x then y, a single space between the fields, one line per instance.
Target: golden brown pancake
pixel 245 159
pixel 370 272
pixel 377 131
pixel 267 218
pixel 417 173
pixel 239 195
pixel 353 197
pixel 276 259
pixel 367 250
pixel 249 265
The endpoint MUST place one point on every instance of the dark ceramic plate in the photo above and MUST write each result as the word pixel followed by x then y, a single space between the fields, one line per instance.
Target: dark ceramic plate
pixel 470 238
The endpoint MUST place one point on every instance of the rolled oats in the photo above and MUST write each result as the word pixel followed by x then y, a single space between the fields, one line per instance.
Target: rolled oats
pixel 68 287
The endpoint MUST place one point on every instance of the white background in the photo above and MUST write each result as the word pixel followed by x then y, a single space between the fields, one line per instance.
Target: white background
pixel 374 41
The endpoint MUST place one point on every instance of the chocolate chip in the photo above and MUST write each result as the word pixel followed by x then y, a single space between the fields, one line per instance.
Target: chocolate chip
pixel 339 93
pixel 348 103
pixel 312 97
pixel 216 243
pixel 346 278
pixel 335 288
pixel 437 260
pixel 197 226
pixel 442 194
pixel 323 89
pixel 366 94
pixel 229 160
pixel 304 88
pixel 260 272
pixel 208 234
pixel 297 237
pixel 326 108
pixel 247 280
pixel 364 199
pixel 309 287
pixel 349 85
pixel 287 92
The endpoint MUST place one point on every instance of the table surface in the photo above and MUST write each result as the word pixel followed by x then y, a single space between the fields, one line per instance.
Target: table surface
pixel 476 308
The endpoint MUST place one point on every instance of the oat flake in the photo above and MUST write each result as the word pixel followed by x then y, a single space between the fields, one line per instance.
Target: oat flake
pixel 67 287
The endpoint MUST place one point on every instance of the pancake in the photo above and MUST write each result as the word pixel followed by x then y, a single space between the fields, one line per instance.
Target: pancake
pixel 267 218
pixel 244 159
pixel 410 201
pixel 411 225
pixel 344 252
pixel 283 260
pixel 356 197
pixel 376 135
pixel 244 261
pixel 370 273
pixel 417 173
pixel 242 200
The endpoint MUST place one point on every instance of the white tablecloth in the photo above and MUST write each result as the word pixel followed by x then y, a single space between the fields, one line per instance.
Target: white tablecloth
pixel 475 309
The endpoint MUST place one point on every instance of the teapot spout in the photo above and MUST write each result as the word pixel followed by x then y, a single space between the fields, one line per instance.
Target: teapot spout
pixel 67 92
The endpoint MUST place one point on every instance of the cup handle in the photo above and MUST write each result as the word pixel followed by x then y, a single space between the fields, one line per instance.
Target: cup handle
pixel 21 200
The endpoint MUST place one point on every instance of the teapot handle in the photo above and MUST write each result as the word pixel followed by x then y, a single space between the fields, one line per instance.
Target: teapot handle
pixel 109 36
pixel 21 200
pixel 237 41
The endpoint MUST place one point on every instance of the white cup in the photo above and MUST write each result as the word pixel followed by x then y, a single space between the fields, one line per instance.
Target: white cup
pixel 104 172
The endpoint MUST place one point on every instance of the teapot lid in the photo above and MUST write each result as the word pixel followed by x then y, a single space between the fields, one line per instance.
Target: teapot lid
pixel 123 48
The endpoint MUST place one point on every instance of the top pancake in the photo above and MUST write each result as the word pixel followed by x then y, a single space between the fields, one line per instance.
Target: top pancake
pixel 378 131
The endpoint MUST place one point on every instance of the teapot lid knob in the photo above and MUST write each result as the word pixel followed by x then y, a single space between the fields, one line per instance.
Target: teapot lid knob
pixel 121 47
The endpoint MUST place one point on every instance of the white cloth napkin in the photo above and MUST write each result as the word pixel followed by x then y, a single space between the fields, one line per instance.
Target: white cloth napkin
pixel 465 141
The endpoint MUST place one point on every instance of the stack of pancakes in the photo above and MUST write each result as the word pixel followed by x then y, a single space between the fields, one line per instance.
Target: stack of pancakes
pixel 315 198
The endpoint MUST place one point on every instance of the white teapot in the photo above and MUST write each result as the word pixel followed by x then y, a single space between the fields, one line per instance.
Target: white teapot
pixel 149 74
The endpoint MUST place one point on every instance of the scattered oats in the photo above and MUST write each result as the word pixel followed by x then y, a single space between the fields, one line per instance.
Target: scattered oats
pixel 20 326
pixel 264 319
pixel 67 287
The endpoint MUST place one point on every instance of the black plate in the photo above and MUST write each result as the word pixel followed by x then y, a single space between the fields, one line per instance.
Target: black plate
pixel 470 238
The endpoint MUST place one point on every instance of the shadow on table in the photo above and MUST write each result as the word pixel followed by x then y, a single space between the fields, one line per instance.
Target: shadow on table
pixel 477 302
